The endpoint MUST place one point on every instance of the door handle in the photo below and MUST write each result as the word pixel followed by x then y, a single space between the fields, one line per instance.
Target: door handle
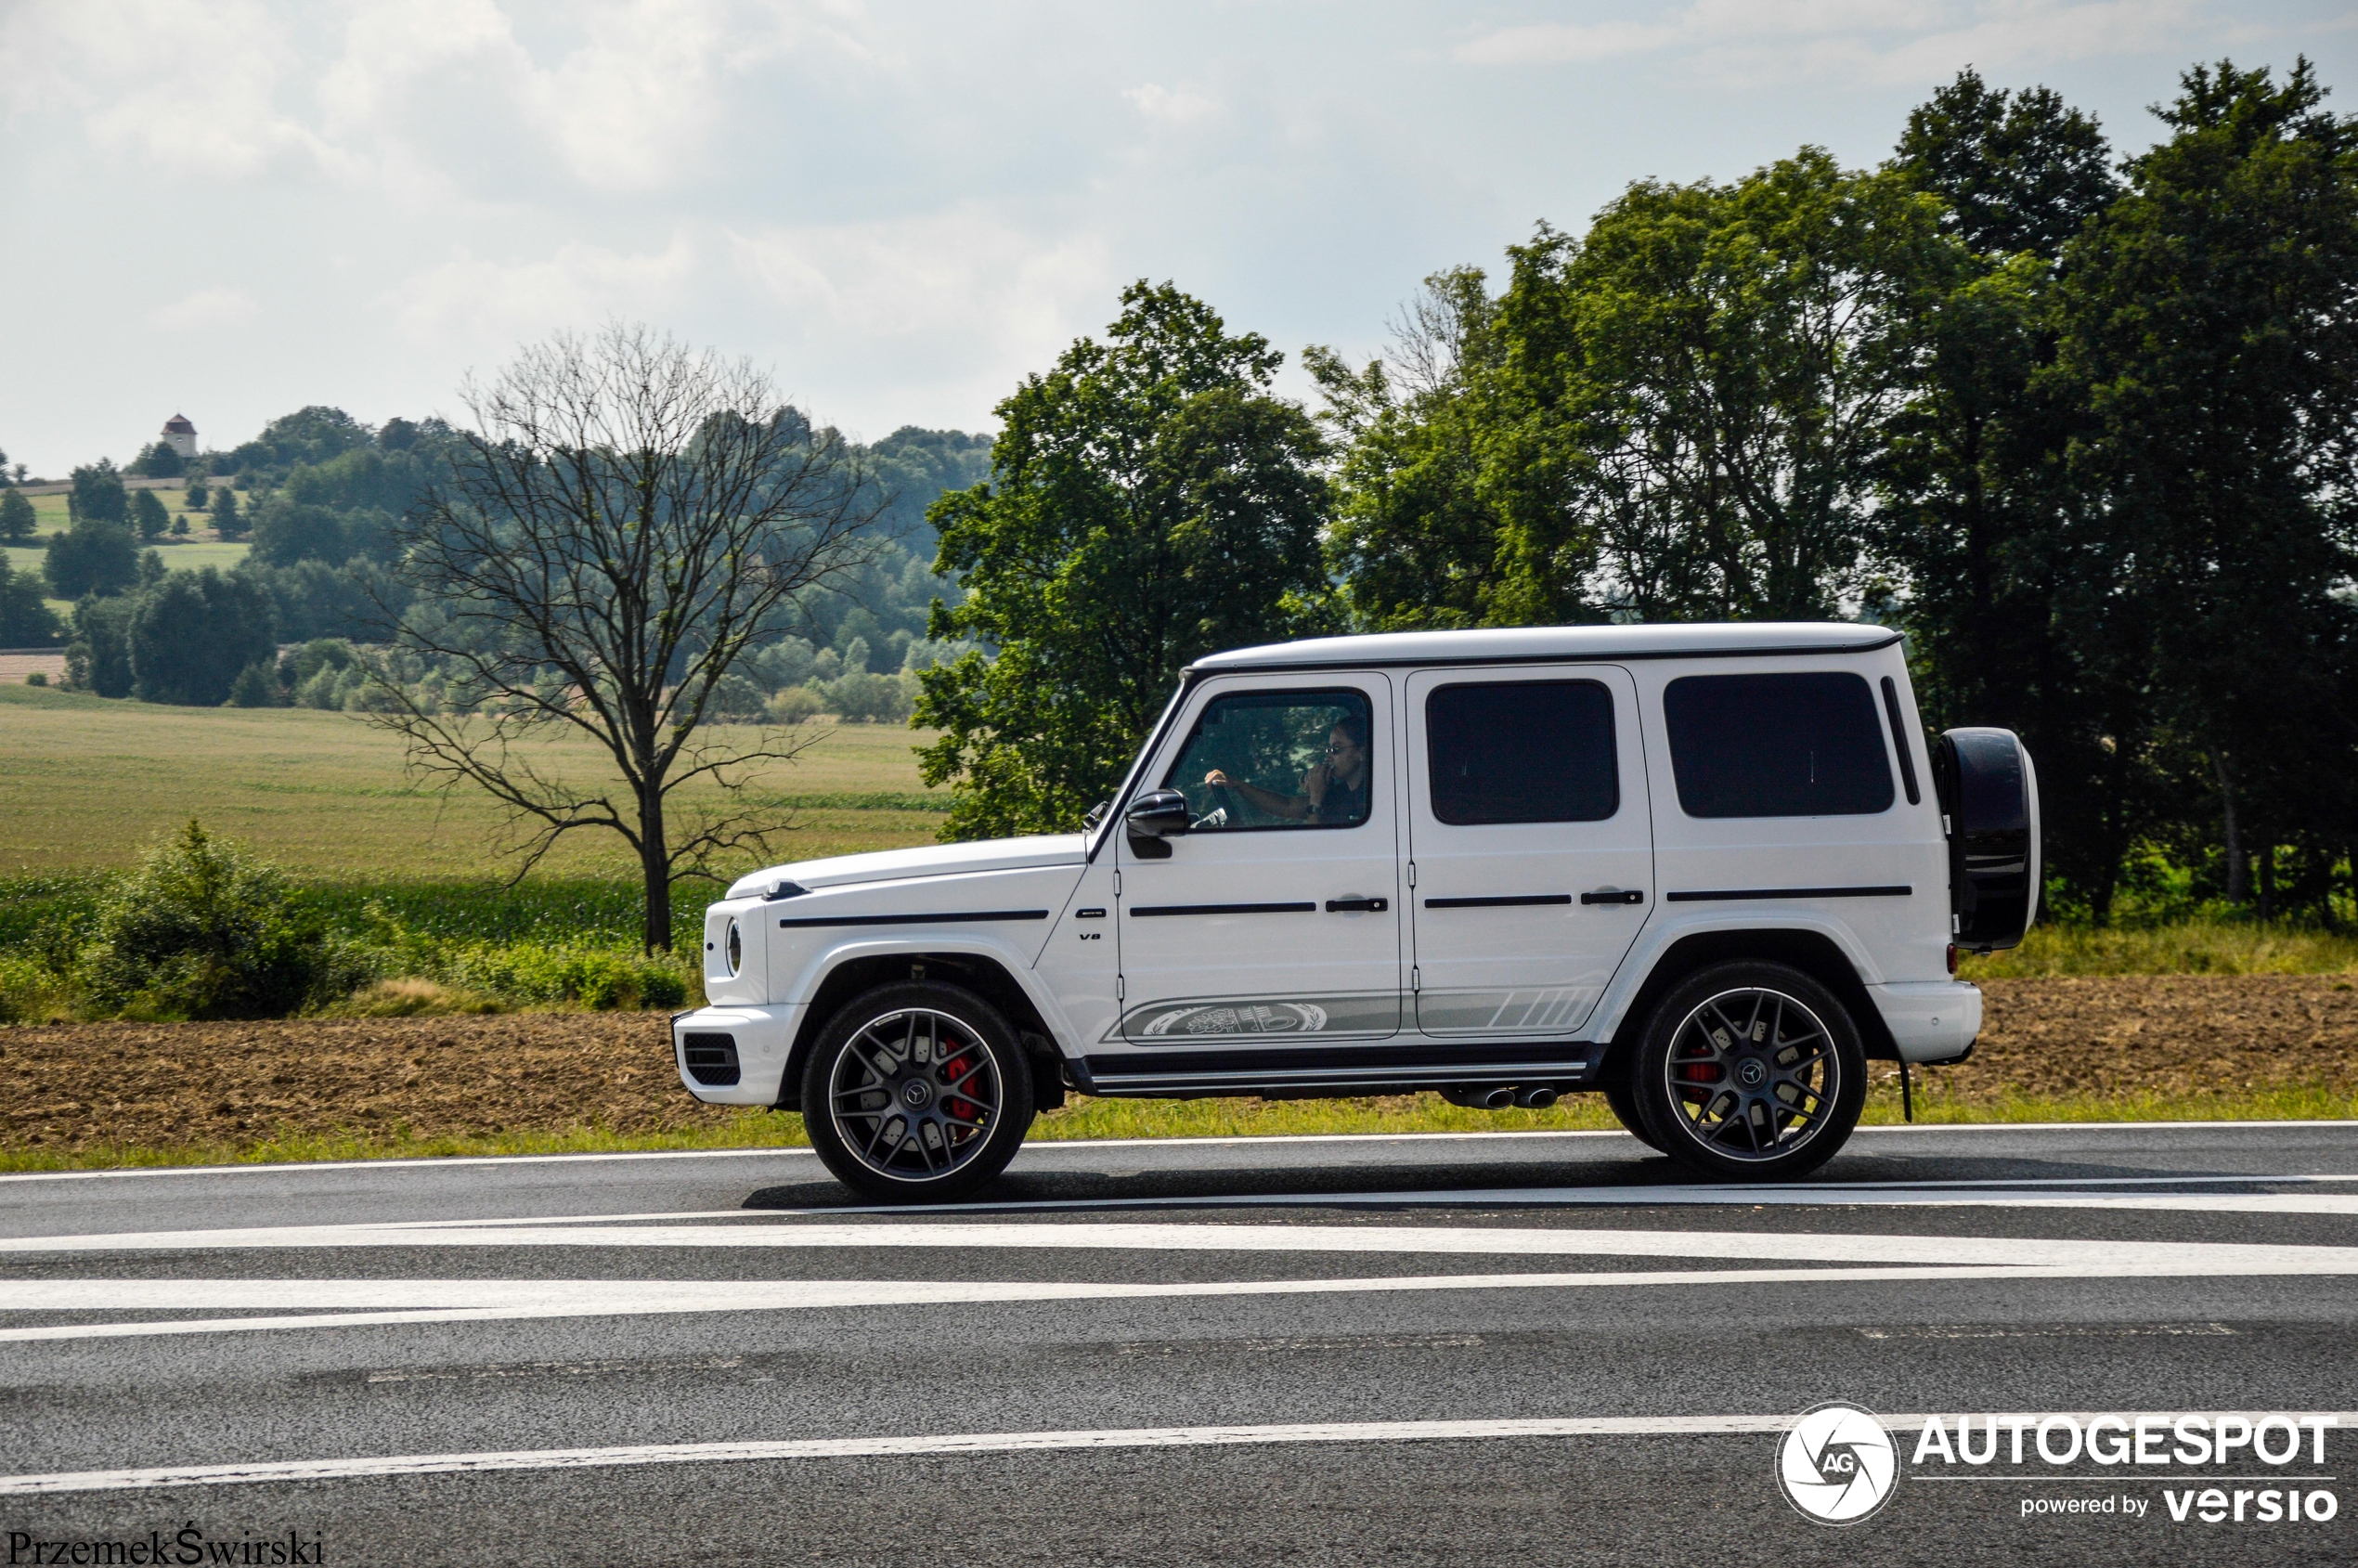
pixel 1615 895
pixel 1357 906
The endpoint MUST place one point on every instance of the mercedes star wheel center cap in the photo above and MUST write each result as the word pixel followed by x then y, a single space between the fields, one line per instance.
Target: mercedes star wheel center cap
pixel 1753 1073
pixel 914 1093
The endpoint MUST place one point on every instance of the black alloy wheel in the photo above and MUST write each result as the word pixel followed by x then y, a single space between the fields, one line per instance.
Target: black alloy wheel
pixel 1752 1070
pixel 916 1092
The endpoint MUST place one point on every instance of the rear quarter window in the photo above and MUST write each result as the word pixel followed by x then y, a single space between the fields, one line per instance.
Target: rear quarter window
pixel 1777 745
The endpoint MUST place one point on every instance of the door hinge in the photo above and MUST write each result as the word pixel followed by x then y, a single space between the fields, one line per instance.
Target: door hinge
pixel 1116 884
pixel 1412 874
pixel 1120 989
pixel 1415 979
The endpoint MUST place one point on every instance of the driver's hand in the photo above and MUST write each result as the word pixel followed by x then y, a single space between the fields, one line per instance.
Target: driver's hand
pixel 1314 784
pixel 1216 779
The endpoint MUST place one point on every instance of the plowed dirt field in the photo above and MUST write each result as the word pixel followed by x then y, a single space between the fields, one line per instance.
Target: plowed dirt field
pixel 66 1088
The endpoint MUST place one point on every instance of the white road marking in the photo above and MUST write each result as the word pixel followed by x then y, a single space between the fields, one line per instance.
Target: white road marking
pixel 880 1447
pixel 598 1298
pixel 1048 1144
pixel 956 1443
pixel 2071 1256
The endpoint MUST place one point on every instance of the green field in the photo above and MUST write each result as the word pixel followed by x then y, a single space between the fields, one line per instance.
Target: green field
pixel 89 783
pixel 201 548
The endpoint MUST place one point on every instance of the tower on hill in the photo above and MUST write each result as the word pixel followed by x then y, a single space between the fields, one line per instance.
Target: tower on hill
pixel 180 435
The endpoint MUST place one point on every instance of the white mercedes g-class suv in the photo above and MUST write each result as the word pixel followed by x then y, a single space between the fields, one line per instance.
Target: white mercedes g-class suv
pixel 1709 872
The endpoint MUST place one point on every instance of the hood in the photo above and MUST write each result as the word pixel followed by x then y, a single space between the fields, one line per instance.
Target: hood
pixel 929 860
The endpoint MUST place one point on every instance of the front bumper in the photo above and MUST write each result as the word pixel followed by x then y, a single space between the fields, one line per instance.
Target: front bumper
pixel 1931 1020
pixel 756 1040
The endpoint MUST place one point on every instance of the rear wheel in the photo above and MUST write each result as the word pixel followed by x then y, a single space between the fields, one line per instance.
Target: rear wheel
pixel 1752 1070
pixel 1623 1101
pixel 916 1092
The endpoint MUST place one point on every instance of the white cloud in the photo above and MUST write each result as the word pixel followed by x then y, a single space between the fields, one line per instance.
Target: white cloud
pixel 951 306
pixel 1905 40
pixel 187 86
pixel 206 310
pixel 488 306
pixel 1172 107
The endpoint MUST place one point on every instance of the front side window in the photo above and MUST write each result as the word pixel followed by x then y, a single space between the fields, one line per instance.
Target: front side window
pixel 1776 746
pixel 1521 751
pixel 1278 760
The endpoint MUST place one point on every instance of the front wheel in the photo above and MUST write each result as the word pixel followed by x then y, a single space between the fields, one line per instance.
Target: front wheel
pixel 916 1092
pixel 1752 1070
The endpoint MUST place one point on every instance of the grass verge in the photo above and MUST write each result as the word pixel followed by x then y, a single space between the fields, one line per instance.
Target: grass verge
pixel 1224 1118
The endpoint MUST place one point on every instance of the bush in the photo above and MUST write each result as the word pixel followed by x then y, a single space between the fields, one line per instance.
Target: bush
pixel 257 686
pixel 734 696
pixel 796 704
pixel 204 930
pixel 874 699
pixel 98 659
pixel 38 678
pixel 29 991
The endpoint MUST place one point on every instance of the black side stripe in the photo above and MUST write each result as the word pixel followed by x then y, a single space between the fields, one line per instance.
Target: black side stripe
pixel 1142 911
pixel 1719 894
pixel 1499 901
pixel 943 918
pixel 1899 740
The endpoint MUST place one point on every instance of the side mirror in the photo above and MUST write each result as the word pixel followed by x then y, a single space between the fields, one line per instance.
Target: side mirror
pixel 1160 813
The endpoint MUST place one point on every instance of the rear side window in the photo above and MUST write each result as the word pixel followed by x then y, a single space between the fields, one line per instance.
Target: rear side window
pixel 1776 746
pixel 1521 751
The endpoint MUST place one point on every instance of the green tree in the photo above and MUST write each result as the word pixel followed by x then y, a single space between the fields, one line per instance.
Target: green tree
pixel 17 520
pixel 1150 501
pixel 2019 171
pixel 90 557
pixel 148 518
pixel 1696 396
pixel 26 620
pixel 1416 542
pixel 98 495
pixel 191 634
pixel 2002 582
pixel 162 460
pixel 98 659
pixel 2210 321
pixel 226 521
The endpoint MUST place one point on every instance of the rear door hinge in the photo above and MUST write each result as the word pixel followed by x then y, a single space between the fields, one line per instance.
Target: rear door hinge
pixel 1416 979
pixel 1116 884
pixel 1120 989
pixel 1412 874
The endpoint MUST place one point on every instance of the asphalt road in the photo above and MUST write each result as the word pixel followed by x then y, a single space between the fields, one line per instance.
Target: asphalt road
pixel 1525 1348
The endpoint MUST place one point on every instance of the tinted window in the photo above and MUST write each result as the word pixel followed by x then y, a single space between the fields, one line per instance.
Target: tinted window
pixel 1521 751
pixel 1282 758
pixel 1776 746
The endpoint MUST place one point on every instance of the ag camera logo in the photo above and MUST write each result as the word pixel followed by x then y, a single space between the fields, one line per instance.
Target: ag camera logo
pixel 1836 1464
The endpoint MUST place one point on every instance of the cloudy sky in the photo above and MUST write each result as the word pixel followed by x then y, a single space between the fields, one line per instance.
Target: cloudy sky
pixel 236 207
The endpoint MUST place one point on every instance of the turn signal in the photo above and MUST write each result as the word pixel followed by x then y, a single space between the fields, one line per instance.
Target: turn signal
pixel 1952 958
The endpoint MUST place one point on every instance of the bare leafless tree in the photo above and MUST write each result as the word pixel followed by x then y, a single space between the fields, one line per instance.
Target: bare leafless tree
pixel 622 522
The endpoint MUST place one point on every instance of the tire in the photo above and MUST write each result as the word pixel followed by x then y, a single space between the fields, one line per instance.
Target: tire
pixel 1751 1071
pixel 916 1092
pixel 1625 1110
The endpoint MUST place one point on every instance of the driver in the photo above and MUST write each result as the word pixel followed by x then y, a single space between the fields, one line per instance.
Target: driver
pixel 1333 793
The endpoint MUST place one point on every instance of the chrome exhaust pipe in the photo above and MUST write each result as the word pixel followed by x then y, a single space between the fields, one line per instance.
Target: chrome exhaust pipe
pixel 1539 1097
pixel 1477 1097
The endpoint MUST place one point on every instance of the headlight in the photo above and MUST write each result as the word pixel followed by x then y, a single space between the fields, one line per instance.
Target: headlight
pixel 735 950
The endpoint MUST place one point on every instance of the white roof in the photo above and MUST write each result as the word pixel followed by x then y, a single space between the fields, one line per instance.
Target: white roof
pixel 1519 644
